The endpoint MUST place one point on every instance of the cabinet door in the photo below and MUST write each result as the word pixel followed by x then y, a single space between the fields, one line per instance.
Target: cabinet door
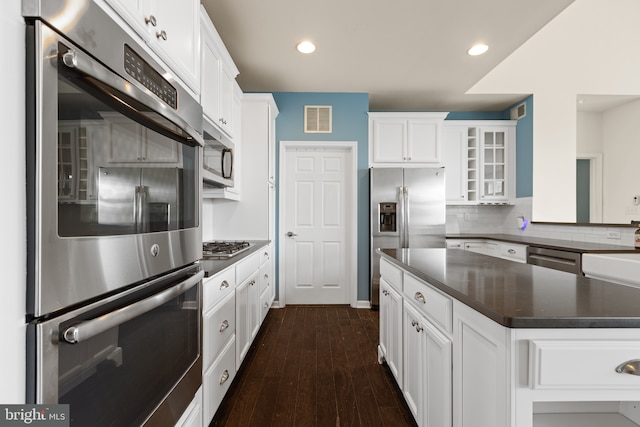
pixel 226 101
pixel 389 139
pixel 494 163
pixel 427 370
pixel 423 145
pixel 437 378
pixel 391 329
pixel 243 335
pixel 454 160
pixel 177 37
pixel 132 11
pixel 210 86
pixel 414 362
pixel 254 307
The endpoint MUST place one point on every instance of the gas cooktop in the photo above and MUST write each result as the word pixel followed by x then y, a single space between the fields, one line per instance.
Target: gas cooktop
pixel 224 249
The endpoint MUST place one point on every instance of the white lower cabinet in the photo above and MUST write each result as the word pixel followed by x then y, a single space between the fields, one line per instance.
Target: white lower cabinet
pixel 218 339
pixel 415 323
pixel 231 319
pixel 390 347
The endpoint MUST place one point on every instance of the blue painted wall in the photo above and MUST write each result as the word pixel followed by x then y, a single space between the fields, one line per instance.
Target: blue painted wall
pixel 524 150
pixel 350 123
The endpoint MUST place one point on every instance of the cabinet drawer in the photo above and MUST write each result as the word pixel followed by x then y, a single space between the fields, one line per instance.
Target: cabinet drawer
pixel 217 379
pixel 513 252
pixel 247 266
pixel 265 254
pixel 264 279
pixel 436 306
pixel 391 273
pixel 582 364
pixel 265 304
pixel 217 287
pixel 219 324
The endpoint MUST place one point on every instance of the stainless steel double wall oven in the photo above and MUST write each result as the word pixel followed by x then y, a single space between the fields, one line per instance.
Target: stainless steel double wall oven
pixel 114 160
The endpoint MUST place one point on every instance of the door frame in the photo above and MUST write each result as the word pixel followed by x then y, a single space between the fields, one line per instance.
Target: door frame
pixel 595 185
pixel 351 147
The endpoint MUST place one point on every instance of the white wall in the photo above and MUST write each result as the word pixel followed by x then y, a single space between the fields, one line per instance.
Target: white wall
pixel 589 48
pixel 12 215
pixel 621 163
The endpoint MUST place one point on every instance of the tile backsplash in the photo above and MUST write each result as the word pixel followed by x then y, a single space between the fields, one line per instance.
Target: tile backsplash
pixel 504 220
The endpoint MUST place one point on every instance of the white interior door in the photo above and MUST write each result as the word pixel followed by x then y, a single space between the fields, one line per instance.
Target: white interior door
pixel 317 195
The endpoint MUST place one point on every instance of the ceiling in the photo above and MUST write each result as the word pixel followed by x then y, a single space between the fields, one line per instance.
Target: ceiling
pixel 408 55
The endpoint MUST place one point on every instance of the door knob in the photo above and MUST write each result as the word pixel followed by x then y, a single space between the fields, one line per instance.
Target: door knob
pixel 291 234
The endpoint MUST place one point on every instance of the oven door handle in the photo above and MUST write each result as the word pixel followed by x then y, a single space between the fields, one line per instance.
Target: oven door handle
pixel 86 330
pixel 99 76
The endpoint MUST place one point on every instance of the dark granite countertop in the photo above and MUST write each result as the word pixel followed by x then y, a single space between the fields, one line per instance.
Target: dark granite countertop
pixel 521 295
pixel 213 266
pixel 563 245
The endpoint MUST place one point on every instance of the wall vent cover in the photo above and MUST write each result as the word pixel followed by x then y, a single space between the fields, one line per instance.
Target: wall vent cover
pixel 317 119
pixel 519 111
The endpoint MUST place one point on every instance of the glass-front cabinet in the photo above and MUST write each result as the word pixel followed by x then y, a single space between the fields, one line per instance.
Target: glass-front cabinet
pixel 494 163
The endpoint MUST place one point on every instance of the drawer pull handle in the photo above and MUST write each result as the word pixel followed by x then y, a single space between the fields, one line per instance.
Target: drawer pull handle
pixel 266 305
pixel 224 285
pixel 224 377
pixel 253 282
pixel 631 367
pixel 385 292
pixel 512 251
pixel 419 297
pixel 416 325
pixel 224 325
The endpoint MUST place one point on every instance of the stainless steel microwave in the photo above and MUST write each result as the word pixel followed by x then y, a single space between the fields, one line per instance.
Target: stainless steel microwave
pixel 217 158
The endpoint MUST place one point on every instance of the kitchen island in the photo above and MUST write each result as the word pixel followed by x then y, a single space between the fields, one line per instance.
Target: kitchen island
pixel 491 342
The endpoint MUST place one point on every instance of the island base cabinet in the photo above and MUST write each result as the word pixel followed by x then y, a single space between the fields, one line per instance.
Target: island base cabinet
pixel 481 371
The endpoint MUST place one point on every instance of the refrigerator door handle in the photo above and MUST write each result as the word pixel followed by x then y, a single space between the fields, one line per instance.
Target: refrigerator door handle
pixel 405 230
pixel 402 226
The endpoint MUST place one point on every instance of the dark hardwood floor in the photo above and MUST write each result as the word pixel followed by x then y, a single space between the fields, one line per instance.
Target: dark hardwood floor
pixel 314 366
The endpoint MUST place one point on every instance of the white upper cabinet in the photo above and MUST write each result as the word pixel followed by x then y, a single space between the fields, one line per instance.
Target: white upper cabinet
pixel 218 76
pixel 172 31
pixel 405 138
pixel 479 159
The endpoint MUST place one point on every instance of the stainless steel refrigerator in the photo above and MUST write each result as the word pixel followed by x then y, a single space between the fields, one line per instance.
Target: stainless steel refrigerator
pixel 407 211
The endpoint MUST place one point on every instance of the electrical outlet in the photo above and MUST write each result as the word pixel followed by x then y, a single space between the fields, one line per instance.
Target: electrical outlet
pixel 613 235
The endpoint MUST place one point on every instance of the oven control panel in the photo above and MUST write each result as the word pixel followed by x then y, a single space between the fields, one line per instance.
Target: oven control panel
pixel 138 68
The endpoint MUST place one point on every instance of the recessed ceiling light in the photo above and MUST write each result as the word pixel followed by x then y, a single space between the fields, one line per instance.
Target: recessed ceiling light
pixel 306 47
pixel 478 49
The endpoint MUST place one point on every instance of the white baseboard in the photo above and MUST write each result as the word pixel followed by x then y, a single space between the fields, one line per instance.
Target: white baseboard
pixel 363 304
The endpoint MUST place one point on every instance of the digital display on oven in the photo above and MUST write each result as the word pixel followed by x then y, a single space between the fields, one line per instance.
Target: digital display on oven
pixel 138 68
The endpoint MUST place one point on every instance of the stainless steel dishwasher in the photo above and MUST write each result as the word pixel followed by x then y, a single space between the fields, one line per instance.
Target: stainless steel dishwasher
pixel 555 259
